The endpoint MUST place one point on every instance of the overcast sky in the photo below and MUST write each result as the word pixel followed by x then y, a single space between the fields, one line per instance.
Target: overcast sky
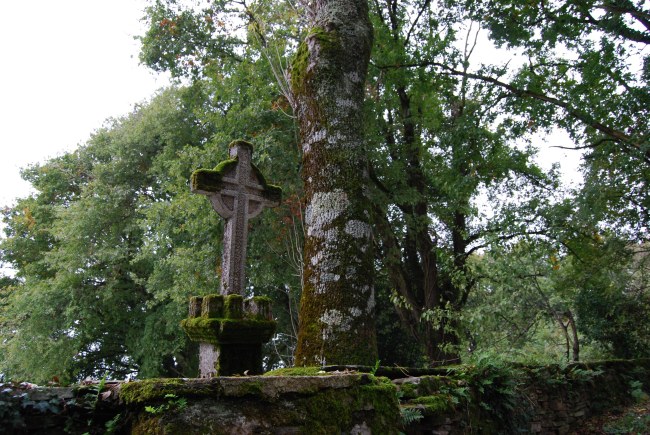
pixel 66 66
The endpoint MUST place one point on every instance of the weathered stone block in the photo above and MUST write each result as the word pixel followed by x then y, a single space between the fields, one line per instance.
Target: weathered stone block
pixel 195 306
pixel 228 331
pixel 212 306
pixel 351 404
pixel 233 306
pixel 258 308
pixel 230 336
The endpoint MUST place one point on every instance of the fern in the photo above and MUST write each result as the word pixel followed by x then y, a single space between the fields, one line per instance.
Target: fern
pixel 410 415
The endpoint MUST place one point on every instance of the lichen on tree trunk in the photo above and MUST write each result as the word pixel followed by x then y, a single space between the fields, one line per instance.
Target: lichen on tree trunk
pixel 327 78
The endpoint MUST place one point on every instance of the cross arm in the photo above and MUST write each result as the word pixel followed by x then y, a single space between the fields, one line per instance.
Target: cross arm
pixel 207 181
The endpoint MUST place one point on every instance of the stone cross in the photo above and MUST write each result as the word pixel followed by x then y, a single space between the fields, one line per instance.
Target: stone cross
pixel 238 192
pixel 230 330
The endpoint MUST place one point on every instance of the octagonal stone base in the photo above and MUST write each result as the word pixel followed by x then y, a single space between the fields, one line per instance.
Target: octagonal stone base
pixel 231 332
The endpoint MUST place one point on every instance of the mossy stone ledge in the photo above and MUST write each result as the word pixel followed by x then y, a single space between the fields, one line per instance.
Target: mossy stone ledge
pixel 330 404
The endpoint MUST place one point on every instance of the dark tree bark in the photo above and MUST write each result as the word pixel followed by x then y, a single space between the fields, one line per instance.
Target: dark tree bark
pixel 327 81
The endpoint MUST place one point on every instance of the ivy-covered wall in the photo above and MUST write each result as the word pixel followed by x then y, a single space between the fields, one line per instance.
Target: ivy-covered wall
pixel 484 398
pixel 519 399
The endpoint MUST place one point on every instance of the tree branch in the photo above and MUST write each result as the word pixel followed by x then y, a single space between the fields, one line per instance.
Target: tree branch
pixel 525 93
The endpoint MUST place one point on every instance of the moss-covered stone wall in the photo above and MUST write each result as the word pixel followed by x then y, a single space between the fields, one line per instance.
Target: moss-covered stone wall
pixel 519 399
pixel 481 399
pixel 351 403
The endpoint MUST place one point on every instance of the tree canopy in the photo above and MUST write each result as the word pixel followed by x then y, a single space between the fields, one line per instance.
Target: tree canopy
pixel 476 247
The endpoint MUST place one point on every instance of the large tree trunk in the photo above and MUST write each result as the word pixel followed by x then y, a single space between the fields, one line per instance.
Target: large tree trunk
pixel 327 80
pixel 410 256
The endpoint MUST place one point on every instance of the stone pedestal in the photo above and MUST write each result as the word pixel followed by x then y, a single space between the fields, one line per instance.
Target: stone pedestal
pixel 231 332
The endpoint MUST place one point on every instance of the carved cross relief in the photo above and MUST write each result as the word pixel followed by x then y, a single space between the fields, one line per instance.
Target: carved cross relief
pixel 238 192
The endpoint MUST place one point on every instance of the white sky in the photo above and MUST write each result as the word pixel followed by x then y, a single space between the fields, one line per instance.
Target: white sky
pixel 65 67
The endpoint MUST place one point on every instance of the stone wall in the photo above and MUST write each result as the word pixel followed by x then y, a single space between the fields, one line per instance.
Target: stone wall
pixel 351 403
pixel 459 400
pixel 519 399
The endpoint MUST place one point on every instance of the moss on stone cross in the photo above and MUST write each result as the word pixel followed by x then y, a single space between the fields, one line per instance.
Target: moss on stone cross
pixel 231 330
pixel 238 192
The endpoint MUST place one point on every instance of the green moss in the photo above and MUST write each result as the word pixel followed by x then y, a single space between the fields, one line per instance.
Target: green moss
pixel 328 412
pixel 297 371
pixel 328 41
pixel 299 68
pixel 333 411
pixel 195 306
pixel 262 299
pixel 212 306
pixel 435 403
pixel 154 390
pixel 147 390
pixel 258 308
pixel 154 425
pixel 313 411
pixel 253 388
pixel 147 425
pixel 409 390
pixel 211 180
pixel 225 331
pixel 383 397
pixel 233 307
pixel 433 384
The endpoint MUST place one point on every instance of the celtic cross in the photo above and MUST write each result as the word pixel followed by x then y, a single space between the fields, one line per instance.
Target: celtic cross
pixel 238 192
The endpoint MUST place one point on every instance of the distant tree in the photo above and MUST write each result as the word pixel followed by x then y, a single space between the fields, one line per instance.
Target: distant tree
pixel 585 68
pixel 612 303
pixel 449 179
pixel 82 304
pixel 543 298
pixel 110 247
pixel 520 300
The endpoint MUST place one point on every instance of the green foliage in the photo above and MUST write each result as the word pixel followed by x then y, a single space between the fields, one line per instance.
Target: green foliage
pixel 173 403
pixel 113 243
pixel 396 346
pixel 478 248
pixel 584 291
pixel 436 142
pixel 585 56
pixel 375 367
pixel 496 387
pixel 439 146
pixel 444 130
pixel 410 415
pixel 490 395
pixel 630 423
pixel 636 391
pixel 112 425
